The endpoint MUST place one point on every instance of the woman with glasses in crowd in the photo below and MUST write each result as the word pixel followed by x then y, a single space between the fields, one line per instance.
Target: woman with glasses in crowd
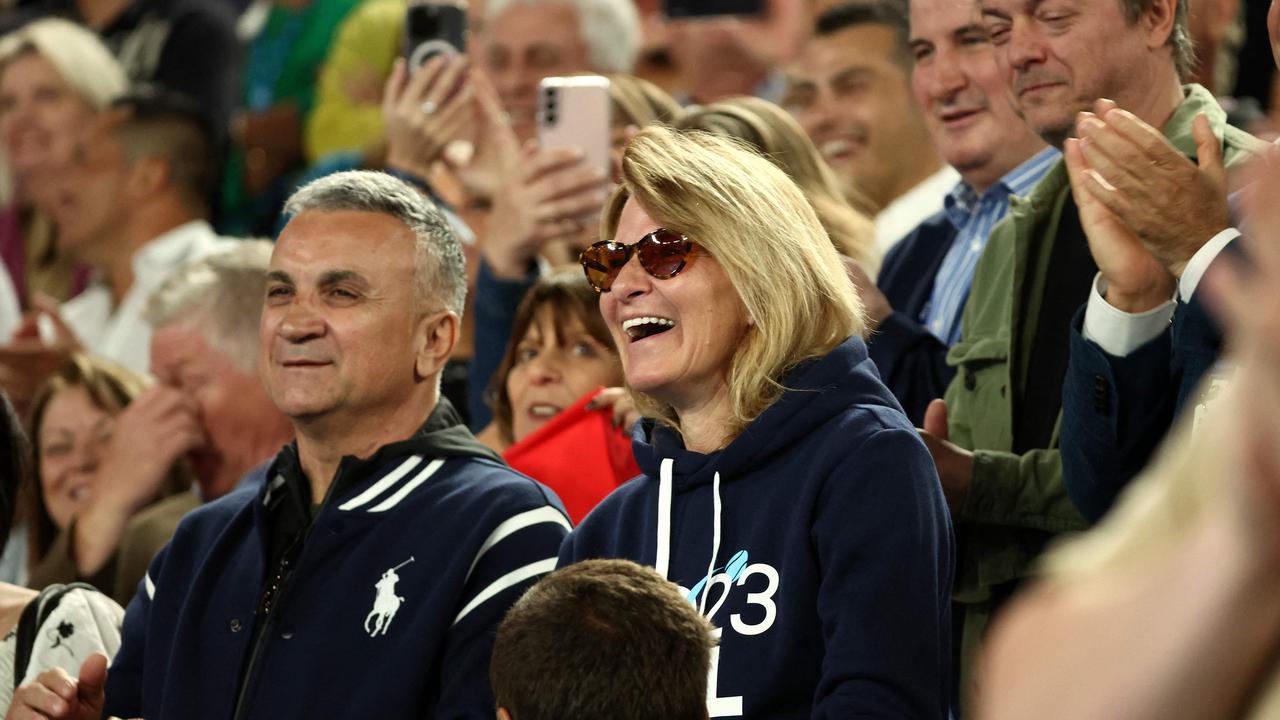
pixel 783 489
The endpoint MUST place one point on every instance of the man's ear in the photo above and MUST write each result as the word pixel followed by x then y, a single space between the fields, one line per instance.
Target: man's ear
pixel 1158 19
pixel 503 714
pixel 148 177
pixel 437 335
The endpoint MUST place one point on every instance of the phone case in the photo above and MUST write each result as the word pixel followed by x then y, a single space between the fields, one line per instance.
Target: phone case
pixel 577 112
pixel 432 28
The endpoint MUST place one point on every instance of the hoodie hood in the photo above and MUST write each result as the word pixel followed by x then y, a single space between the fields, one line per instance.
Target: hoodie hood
pixel 817 390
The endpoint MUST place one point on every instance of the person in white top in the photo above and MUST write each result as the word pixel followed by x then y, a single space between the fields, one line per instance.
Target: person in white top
pixel 851 91
pixel 133 207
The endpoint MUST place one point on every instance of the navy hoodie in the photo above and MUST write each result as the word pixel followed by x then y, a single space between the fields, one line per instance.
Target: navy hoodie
pixel 818 543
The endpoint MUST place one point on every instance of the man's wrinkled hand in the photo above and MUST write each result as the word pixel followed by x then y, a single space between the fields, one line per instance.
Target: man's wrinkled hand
pixel 1172 203
pixel 1136 280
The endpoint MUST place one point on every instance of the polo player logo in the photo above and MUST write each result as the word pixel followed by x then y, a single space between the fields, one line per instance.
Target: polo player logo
pixel 386 603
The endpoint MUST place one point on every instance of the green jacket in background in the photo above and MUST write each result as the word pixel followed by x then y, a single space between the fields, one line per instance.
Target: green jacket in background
pixel 1016 503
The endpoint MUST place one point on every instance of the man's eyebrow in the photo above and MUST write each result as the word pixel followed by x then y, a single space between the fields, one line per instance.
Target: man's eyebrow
pixel 970 29
pixel 857 72
pixel 998 14
pixel 279 276
pixel 333 277
pixel 796 83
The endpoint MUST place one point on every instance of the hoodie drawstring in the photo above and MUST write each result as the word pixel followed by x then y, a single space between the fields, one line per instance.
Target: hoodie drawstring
pixel 715 542
pixel 664 518
pixel 662 562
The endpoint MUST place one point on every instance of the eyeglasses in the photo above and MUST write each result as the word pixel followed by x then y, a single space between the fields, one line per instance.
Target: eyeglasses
pixel 663 254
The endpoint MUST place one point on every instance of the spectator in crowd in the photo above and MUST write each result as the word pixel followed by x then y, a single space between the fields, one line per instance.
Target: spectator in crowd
pixel 55 76
pixel 347 116
pixel 532 220
pixel 210 409
pixel 133 208
pixel 995 438
pixel 279 85
pixel 527 41
pixel 61 627
pixel 367 577
pixel 558 316
pixel 560 353
pixel 538 196
pixel 95 429
pixel 1169 608
pixel 1144 340
pixel 914 308
pixel 602 638
pixel 776 135
pixel 818 513
pixel 851 91
pixel 719 57
pixel 185 46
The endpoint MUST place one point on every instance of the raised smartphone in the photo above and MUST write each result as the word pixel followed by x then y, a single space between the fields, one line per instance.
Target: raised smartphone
pixel 577 112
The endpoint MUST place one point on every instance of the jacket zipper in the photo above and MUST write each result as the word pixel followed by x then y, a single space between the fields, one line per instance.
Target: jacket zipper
pixel 270 601
pixel 267 604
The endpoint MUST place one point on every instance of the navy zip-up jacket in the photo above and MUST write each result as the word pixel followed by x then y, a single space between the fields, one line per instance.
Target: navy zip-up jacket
pixel 383 606
pixel 818 542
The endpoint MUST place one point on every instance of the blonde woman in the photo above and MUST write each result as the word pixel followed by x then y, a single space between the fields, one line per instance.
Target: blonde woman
pixel 782 488
pixel 775 134
pixel 55 76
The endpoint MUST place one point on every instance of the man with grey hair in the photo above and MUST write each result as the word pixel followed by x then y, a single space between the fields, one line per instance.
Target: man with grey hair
pixel 366 577
pixel 208 408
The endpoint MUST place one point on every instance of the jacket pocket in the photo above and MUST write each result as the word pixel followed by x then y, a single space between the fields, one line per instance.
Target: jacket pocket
pixel 978 406
pixel 972 360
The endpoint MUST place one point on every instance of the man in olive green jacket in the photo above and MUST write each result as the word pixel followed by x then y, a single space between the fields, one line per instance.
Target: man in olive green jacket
pixel 995 439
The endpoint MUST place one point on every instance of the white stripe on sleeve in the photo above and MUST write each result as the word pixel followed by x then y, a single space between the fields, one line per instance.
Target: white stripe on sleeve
pixel 516 523
pixel 542 567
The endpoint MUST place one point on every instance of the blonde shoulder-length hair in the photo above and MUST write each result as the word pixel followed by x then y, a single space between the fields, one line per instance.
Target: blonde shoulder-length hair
pixel 756 222
pixel 776 135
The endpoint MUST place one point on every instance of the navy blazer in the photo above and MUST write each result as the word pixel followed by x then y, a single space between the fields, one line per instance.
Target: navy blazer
pixel 912 361
pixel 1116 410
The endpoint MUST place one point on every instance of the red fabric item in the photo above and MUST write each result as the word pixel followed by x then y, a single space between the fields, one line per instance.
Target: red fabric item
pixel 579 454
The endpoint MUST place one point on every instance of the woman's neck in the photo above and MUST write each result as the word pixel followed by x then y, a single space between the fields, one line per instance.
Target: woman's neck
pixel 704 422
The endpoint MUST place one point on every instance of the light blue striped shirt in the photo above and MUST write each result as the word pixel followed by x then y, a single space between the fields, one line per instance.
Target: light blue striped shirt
pixel 974 217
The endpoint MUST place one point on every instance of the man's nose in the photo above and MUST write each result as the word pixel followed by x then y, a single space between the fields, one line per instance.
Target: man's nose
pixel 301 322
